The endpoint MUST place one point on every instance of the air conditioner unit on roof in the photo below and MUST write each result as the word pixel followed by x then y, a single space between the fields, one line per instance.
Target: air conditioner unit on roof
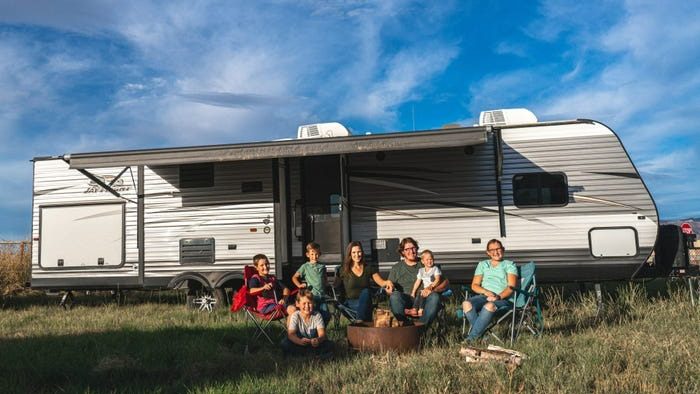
pixel 322 130
pixel 506 117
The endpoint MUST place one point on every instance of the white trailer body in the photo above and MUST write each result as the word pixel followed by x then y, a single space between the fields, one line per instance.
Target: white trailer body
pixel 196 233
pixel 563 194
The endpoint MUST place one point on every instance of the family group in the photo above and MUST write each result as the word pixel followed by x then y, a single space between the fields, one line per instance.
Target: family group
pixel 413 285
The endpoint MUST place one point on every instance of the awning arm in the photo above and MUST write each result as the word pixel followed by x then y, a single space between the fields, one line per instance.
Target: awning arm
pixel 105 186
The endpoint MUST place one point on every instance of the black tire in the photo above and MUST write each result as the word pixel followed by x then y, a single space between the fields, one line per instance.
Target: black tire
pixel 222 298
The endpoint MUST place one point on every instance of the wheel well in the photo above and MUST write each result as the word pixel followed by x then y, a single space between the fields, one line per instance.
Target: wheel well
pixel 189 278
pixel 231 280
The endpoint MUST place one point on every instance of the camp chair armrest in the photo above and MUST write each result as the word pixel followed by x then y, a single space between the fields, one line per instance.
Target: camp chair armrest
pixel 336 294
pixel 518 290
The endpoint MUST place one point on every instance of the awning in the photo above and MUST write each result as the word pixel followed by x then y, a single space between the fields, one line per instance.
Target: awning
pixel 428 139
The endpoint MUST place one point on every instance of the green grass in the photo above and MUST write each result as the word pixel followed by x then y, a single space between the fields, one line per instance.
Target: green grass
pixel 643 341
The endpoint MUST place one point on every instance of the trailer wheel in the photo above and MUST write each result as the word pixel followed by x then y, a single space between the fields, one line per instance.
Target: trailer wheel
pixel 222 297
pixel 205 303
pixel 200 297
pixel 225 292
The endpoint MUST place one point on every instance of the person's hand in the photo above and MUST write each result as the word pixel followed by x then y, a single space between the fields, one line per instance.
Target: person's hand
pixel 425 292
pixel 493 298
pixel 302 285
pixel 389 286
pixel 267 286
pixel 281 302
pixel 314 342
pixel 305 341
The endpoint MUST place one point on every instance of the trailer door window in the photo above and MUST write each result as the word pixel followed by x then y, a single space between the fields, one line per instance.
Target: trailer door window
pixel 540 189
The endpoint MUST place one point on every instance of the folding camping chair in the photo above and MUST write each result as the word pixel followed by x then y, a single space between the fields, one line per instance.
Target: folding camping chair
pixel 336 300
pixel 526 310
pixel 248 302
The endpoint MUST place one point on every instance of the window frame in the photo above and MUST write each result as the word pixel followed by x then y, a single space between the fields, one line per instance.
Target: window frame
pixel 539 189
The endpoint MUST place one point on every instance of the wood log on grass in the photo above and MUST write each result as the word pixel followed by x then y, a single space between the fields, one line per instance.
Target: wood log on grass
pixel 507 356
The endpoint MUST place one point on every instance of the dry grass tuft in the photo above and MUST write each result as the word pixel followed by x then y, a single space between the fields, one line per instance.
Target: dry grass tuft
pixel 15 266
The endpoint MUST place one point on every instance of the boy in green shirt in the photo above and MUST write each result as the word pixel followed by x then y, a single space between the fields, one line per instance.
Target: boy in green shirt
pixel 313 275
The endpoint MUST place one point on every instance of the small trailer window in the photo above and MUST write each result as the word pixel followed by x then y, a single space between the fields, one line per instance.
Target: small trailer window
pixel 196 175
pixel 540 189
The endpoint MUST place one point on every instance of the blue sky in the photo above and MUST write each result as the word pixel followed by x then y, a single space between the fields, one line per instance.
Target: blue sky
pixel 78 76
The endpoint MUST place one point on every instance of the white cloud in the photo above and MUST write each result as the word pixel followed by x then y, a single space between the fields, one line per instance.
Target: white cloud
pixel 404 74
pixel 672 164
pixel 506 90
pixel 646 88
pixel 509 48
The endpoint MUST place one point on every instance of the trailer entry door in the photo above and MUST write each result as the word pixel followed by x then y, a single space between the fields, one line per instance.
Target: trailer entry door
pixel 323 205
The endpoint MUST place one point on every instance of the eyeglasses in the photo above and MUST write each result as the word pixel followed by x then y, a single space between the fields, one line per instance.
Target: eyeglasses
pixel 494 249
pixel 408 249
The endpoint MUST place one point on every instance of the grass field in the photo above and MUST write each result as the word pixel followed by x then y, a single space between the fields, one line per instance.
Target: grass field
pixel 642 342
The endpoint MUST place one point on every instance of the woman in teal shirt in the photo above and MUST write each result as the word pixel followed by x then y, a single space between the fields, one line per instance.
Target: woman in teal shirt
pixel 492 284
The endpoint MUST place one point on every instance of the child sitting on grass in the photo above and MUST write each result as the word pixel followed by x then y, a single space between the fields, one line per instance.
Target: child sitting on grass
pixel 306 333
pixel 429 275
pixel 270 293
pixel 313 274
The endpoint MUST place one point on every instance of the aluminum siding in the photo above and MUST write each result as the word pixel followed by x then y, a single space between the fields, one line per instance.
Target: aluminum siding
pixel 56 184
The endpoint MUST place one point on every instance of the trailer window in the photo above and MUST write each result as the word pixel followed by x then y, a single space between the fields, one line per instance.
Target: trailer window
pixel 196 175
pixel 540 189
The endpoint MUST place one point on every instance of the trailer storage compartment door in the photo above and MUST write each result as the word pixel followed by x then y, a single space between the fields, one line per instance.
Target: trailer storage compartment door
pixel 81 236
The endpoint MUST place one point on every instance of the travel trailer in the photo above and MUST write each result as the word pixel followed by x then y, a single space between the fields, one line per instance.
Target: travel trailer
pixel 564 194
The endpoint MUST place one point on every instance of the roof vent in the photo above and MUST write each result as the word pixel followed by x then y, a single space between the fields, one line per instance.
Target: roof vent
pixel 506 117
pixel 322 130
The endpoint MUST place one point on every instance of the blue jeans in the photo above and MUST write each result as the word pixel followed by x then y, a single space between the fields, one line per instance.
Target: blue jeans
pixel 363 305
pixel 290 348
pixel 480 317
pixel 322 308
pixel 400 301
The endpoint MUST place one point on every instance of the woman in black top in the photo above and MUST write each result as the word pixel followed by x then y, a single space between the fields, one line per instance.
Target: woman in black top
pixel 356 276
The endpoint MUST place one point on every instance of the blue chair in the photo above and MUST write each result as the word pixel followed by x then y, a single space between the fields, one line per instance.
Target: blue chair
pixel 525 312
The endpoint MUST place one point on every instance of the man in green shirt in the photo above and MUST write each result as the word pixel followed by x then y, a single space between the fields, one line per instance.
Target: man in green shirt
pixel 403 274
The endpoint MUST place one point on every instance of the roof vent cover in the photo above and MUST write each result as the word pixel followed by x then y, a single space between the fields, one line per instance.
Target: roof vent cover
pixel 506 117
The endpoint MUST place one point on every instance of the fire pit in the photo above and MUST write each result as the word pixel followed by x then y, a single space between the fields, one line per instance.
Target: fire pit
pixel 365 337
